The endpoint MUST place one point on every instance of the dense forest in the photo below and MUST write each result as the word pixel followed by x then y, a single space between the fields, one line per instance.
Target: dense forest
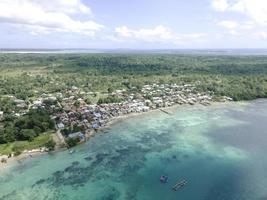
pixel 26 75
pixel 26 127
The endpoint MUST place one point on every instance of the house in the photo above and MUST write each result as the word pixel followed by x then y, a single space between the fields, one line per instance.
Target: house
pixel 37 103
pixel 60 125
pixel 20 103
pixel 97 115
pixel 79 135
pixel 74 88
pixel 51 98
pixel 1 115
pixel 95 126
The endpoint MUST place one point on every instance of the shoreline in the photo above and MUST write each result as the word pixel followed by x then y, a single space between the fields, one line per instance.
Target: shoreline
pixel 19 158
pixel 113 121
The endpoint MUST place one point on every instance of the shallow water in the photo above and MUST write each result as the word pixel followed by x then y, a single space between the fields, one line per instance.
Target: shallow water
pixel 220 150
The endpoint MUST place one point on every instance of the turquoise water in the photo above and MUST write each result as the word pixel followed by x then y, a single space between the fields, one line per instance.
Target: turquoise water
pixel 220 150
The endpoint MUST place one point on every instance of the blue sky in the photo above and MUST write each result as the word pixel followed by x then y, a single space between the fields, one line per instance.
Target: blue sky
pixel 138 24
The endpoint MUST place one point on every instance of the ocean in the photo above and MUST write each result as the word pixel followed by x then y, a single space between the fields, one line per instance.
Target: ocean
pixel 220 150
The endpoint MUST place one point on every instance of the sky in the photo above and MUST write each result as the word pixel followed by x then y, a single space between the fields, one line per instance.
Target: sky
pixel 133 24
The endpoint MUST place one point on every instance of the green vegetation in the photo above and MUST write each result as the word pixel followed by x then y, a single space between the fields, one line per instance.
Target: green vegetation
pixel 71 142
pixel 19 146
pixel 109 99
pixel 29 76
pixel 50 144
pixel 7 104
pixel 26 127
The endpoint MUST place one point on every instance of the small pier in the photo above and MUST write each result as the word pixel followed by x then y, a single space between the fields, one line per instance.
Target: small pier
pixel 179 185
pixel 166 112
pixel 205 103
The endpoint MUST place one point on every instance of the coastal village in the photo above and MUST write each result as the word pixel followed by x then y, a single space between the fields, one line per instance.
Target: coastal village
pixel 78 119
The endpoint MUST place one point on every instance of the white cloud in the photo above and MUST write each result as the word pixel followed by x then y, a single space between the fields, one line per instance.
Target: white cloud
pixel 220 5
pixel 228 24
pixel 247 25
pixel 48 16
pixel 66 6
pixel 232 27
pixel 261 35
pixel 252 19
pixel 160 34
pixel 237 28
pixel 256 10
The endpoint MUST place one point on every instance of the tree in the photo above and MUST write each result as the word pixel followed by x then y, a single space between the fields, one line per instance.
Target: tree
pixel 71 142
pixel 27 134
pixel 110 90
pixel 109 99
pixel 26 127
pixel 17 148
pixel 66 131
pixel 50 145
pixel 88 101
pixel 77 104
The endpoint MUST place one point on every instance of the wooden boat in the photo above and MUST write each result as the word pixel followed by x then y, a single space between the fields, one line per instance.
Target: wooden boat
pixel 179 185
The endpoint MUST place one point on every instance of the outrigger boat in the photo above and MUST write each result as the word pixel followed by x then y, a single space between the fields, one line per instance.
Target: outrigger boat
pixel 179 185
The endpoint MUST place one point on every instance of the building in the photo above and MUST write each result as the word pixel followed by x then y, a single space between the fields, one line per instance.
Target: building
pixel 1 115
pixel 60 126
pixel 20 103
pixel 79 135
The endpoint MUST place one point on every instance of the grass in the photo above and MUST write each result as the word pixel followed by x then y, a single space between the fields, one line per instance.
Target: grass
pixel 6 149
pixel 40 141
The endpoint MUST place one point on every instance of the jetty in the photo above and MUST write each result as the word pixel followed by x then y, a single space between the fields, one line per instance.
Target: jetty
pixel 166 112
pixel 179 185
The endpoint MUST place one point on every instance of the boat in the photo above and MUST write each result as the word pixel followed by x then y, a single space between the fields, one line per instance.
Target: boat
pixel 163 179
pixel 71 151
pixel 179 185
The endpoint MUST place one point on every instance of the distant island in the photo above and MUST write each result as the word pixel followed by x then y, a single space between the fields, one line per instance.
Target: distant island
pixel 55 100
pixel 218 52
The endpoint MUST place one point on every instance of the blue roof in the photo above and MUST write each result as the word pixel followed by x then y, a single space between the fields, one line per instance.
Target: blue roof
pixel 75 135
pixel 97 114
pixel 95 125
